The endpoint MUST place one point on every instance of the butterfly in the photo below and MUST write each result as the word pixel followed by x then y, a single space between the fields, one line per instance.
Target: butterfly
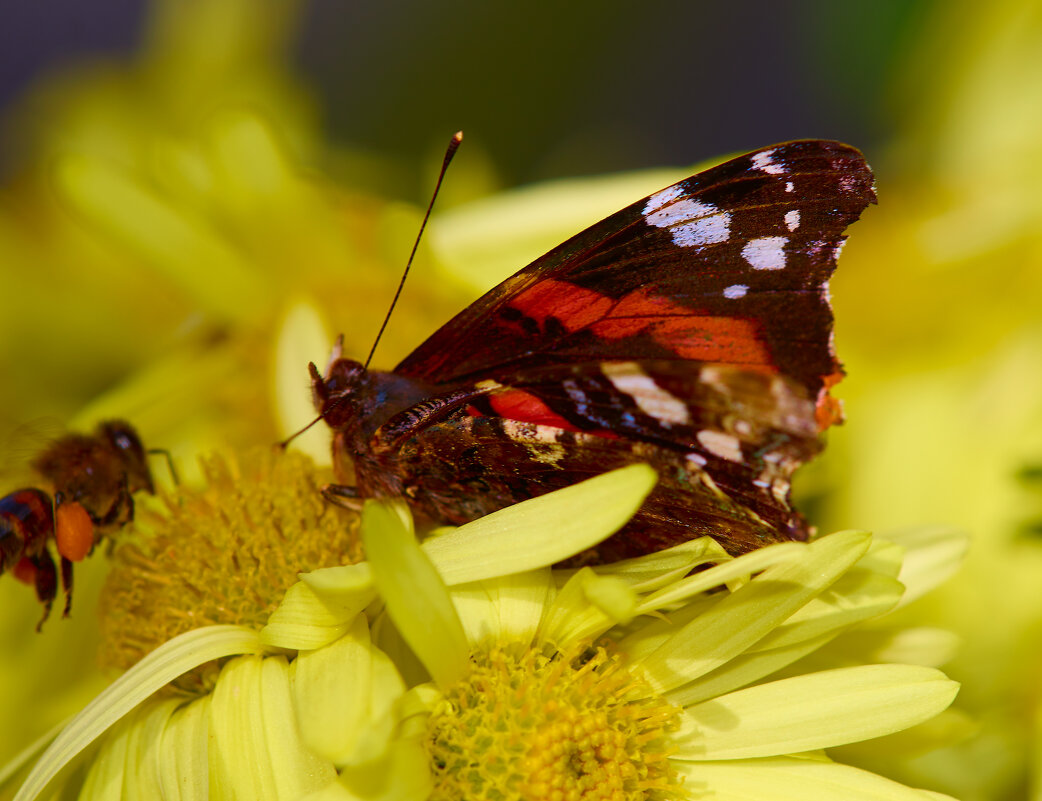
pixel 691 330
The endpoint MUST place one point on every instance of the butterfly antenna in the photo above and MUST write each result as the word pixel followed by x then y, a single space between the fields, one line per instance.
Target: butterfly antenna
pixel 450 151
pixel 285 443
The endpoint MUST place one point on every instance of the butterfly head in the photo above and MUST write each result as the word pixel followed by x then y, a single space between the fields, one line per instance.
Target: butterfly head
pixel 337 395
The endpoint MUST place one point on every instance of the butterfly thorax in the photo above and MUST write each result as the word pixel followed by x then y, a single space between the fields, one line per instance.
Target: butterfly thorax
pixel 355 402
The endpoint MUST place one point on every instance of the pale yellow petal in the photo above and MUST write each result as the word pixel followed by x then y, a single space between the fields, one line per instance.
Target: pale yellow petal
pixel 743 670
pixel 652 571
pixel 257 751
pixel 932 556
pixel 344 695
pixel 320 607
pixel 745 616
pixel 156 670
pixel 185 249
pixel 297 770
pixel 587 606
pixel 184 773
pixel 238 757
pixel 145 756
pixel 302 337
pixel 819 710
pixel 856 596
pixel 402 775
pixel 790 779
pixel 738 569
pixel 416 598
pixel 543 530
pixel 920 645
pixel 104 781
pixel 331 687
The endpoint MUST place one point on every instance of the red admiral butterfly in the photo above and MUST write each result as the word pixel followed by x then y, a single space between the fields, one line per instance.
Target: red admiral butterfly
pixel 691 330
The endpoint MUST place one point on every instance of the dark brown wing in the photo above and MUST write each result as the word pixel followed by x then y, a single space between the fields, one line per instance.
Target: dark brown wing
pixel 724 440
pixel 729 266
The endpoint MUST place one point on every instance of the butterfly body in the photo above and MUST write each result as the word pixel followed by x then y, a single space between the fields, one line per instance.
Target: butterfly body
pixel 691 330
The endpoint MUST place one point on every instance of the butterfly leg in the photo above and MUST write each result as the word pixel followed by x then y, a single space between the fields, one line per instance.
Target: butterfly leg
pixel 344 496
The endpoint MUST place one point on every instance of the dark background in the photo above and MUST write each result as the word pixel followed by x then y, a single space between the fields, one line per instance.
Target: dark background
pixel 548 89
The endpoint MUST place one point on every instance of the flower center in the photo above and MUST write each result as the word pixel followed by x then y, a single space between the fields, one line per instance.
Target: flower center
pixel 547 725
pixel 222 553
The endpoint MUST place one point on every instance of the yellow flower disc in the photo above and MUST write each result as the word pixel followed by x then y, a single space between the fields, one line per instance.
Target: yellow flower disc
pixel 224 553
pixel 545 725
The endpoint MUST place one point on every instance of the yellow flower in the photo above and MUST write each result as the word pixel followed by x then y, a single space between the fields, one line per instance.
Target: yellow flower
pixel 569 692
pixel 173 253
pixel 466 667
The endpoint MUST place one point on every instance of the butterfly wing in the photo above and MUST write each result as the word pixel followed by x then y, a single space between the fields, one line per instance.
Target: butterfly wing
pixel 730 266
pixel 724 440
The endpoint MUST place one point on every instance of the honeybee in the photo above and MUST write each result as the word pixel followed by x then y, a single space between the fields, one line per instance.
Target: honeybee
pixel 93 478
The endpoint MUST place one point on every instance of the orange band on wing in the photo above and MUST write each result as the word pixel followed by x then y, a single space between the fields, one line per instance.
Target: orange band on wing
pixel 574 306
pixel 674 326
pixel 516 404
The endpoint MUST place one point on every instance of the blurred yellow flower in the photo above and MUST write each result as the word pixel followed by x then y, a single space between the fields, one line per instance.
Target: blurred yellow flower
pixel 172 254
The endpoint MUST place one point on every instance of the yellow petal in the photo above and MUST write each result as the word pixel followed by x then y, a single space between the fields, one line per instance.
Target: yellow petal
pixel 320 608
pixel 302 338
pixel 184 249
pixel 342 698
pixel 543 530
pixel 257 751
pixel 792 779
pixel 416 598
pixel 402 775
pixel 156 670
pixel 144 754
pixel 814 711
pixel 745 616
pixel 184 772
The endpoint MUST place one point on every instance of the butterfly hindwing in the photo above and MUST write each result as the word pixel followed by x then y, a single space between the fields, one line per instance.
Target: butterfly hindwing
pixel 725 442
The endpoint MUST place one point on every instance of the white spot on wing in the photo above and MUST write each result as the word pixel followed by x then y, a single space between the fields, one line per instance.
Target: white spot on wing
pixel 720 444
pixel 788 186
pixel 763 161
pixel 690 222
pixel 735 291
pixel 650 398
pixel 792 219
pixel 660 199
pixel 540 441
pixel 765 253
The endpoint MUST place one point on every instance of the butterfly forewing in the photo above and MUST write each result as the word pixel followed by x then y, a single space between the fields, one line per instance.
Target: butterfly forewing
pixel 729 265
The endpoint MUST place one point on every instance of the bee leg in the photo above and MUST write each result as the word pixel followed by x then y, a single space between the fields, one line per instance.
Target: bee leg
pixel 66 574
pixel 122 510
pixel 46 582
pixel 343 496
